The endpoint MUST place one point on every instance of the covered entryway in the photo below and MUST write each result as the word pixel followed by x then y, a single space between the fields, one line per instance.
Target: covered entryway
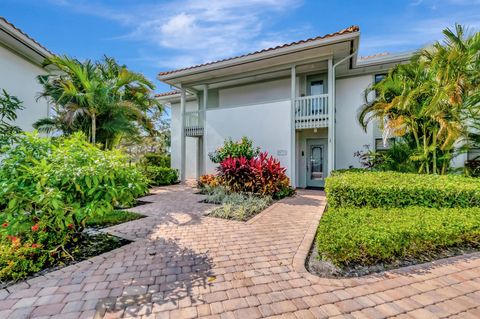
pixel 316 162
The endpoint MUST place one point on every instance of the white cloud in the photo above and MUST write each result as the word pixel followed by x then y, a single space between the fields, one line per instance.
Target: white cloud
pixel 196 31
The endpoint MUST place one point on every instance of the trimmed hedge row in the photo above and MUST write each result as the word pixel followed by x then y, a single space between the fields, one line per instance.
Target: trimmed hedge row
pixel 159 176
pixel 392 189
pixel 368 236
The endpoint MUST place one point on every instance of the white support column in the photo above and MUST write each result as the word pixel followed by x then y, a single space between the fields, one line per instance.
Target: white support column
pixel 204 118
pixel 331 118
pixel 293 162
pixel 183 136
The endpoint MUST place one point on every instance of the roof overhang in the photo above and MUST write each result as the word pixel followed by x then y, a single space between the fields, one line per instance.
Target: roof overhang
pixel 335 47
pixel 16 40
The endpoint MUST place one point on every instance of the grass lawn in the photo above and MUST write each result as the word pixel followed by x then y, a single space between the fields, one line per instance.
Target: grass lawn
pixel 113 218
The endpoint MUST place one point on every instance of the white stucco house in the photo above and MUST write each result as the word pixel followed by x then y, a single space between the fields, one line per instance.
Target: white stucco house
pixel 298 101
pixel 21 60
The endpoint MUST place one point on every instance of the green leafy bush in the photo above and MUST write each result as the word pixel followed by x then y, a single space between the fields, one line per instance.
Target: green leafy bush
pixel 161 175
pixel 50 188
pixel 368 236
pixel 391 189
pixel 230 148
pixel 154 159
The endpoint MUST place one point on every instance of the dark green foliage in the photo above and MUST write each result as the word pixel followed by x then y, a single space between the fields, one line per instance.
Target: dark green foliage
pixel 49 189
pixel 236 149
pixel 9 105
pixel 154 159
pixel 161 175
pixel 369 236
pixel 391 189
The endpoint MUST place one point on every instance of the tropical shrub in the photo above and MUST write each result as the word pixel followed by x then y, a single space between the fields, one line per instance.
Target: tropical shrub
pixel 396 158
pixel 366 236
pixel 261 174
pixel 392 189
pixel 208 180
pixel 161 175
pixel 235 149
pixel 50 188
pixel 154 159
pixel 9 105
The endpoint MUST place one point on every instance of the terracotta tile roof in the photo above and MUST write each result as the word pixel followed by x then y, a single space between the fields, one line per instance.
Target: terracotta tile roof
pixel 350 29
pixel 23 33
pixel 167 93
pixel 378 55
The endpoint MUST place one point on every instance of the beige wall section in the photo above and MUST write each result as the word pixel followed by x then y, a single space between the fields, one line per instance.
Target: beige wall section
pixel 18 77
pixel 190 143
pixel 250 94
pixel 350 137
pixel 266 124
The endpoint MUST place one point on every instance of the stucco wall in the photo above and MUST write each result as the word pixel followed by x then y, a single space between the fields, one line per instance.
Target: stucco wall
pixel 191 142
pixel 18 77
pixel 267 124
pixel 350 137
pixel 255 93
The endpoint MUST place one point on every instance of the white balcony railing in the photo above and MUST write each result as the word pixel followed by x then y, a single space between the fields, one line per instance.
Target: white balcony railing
pixel 194 123
pixel 311 111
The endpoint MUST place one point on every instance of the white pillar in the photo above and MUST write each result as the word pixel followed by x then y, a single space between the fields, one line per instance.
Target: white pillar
pixel 182 136
pixel 293 93
pixel 204 118
pixel 331 118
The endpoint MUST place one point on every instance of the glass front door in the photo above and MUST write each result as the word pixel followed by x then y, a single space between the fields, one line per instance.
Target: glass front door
pixel 316 163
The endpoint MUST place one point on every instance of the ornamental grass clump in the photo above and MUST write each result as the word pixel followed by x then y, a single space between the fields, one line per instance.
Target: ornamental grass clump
pixel 49 188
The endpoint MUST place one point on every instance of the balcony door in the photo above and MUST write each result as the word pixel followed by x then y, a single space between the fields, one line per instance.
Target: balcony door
pixel 317 85
pixel 316 162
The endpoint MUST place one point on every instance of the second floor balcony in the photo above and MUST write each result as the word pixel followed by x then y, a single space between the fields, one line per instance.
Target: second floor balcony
pixel 311 111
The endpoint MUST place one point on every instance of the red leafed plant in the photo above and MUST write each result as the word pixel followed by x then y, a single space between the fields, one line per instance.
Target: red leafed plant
pixel 262 174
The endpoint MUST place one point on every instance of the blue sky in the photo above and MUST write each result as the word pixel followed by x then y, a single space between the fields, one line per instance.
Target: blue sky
pixel 151 36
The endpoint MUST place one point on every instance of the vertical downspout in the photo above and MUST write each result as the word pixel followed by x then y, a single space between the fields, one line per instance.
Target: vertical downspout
pixel 334 105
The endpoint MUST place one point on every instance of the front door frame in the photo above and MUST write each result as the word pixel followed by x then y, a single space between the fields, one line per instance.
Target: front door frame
pixel 310 142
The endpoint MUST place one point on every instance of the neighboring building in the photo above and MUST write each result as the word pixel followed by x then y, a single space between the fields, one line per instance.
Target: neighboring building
pixel 21 60
pixel 281 98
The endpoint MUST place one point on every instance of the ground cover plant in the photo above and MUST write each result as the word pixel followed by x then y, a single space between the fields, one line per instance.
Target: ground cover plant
pixel 49 189
pixel 112 218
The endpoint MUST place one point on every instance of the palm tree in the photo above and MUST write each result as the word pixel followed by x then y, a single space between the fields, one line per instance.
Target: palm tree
pixel 103 99
pixel 431 100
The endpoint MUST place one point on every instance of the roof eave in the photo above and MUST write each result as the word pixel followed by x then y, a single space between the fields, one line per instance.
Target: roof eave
pixel 259 56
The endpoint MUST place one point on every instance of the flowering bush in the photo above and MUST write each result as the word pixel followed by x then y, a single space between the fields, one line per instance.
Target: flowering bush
pixel 49 188
pixel 261 174
pixel 242 148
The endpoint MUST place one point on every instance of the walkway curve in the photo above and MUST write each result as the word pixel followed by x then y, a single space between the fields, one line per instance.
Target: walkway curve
pixel 185 265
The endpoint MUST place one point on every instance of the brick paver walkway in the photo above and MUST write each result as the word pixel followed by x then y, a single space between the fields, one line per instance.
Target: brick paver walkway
pixel 183 265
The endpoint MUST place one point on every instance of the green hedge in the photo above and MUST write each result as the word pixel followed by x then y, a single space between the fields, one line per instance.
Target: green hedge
pixel 368 236
pixel 154 159
pixel 391 189
pixel 161 175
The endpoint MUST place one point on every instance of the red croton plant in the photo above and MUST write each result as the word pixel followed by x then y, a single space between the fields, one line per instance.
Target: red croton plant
pixel 261 174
